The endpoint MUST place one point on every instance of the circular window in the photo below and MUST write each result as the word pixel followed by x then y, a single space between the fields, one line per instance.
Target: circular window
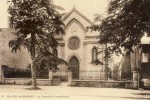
pixel 74 43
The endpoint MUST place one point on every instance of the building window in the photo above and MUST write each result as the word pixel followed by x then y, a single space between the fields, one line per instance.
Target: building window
pixel 55 52
pixel 94 54
pixel 74 43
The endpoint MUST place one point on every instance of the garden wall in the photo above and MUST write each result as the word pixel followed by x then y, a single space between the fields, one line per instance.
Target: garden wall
pixel 103 84
pixel 26 81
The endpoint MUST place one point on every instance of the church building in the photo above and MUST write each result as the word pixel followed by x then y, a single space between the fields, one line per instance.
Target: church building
pixel 79 47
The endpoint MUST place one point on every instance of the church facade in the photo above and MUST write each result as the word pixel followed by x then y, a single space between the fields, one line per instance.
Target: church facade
pixel 79 47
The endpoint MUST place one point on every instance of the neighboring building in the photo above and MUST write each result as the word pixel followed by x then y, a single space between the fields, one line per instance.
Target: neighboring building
pixel 78 47
pixel 141 61
pixel 145 59
pixel 19 59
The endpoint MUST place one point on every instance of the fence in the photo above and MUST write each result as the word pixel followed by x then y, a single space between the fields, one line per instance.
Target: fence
pixel 121 75
pixel 92 75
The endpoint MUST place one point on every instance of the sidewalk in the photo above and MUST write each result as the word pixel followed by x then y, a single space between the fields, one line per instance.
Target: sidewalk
pixel 14 92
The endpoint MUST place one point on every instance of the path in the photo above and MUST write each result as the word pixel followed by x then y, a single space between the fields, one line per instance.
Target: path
pixel 14 92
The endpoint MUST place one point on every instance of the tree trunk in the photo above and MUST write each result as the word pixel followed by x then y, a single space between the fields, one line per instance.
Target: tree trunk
pixel 33 71
pixel 33 68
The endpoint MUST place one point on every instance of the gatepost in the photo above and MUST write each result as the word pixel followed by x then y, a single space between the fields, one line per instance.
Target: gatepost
pixel 69 78
pixel 51 75
pixel 1 75
pixel 135 79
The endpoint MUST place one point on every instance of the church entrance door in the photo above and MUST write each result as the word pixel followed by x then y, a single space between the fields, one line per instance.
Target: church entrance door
pixel 74 65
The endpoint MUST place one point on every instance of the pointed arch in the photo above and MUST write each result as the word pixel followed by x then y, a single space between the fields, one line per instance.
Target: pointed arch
pixel 74 65
pixel 78 63
pixel 76 21
pixel 74 54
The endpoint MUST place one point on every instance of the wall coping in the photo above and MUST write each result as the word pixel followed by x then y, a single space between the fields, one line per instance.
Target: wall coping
pixel 17 78
pixel 25 79
pixel 102 81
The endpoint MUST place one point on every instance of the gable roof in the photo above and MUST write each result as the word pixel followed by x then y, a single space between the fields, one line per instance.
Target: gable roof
pixel 75 10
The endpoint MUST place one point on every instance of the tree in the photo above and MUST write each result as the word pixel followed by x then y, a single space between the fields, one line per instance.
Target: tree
pixel 127 22
pixel 125 25
pixel 35 22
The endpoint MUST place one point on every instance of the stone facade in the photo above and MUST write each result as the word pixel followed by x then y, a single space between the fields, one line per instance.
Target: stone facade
pixel 75 27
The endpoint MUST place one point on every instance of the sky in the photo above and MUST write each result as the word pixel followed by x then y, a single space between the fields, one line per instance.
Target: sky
pixel 3 14
pixel 87 7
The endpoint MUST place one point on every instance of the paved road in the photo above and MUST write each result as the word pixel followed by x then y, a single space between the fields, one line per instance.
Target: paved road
pixel 19 92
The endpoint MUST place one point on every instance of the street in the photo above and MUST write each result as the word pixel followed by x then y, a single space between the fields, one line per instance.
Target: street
pixel 20 92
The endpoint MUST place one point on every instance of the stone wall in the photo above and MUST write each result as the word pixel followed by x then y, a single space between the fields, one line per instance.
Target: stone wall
pixel 26 81
pixel 102 84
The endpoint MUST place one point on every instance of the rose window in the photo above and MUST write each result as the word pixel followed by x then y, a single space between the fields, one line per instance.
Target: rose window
pixel 74 43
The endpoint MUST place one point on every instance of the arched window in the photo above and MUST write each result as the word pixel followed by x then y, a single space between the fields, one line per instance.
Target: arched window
pixel 55 52
pixel 94 54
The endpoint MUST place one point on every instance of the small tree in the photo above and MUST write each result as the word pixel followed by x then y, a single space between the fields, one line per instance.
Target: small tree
pixel 35 22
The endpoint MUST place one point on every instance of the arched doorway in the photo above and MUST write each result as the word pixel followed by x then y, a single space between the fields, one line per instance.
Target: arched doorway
pixel 74 64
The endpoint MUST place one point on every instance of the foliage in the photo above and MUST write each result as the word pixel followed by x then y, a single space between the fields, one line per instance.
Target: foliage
pixel 125 25
pixel 12 72
pixel 97 62
pixel 35 21
pixel 46 60
pixel 107 58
